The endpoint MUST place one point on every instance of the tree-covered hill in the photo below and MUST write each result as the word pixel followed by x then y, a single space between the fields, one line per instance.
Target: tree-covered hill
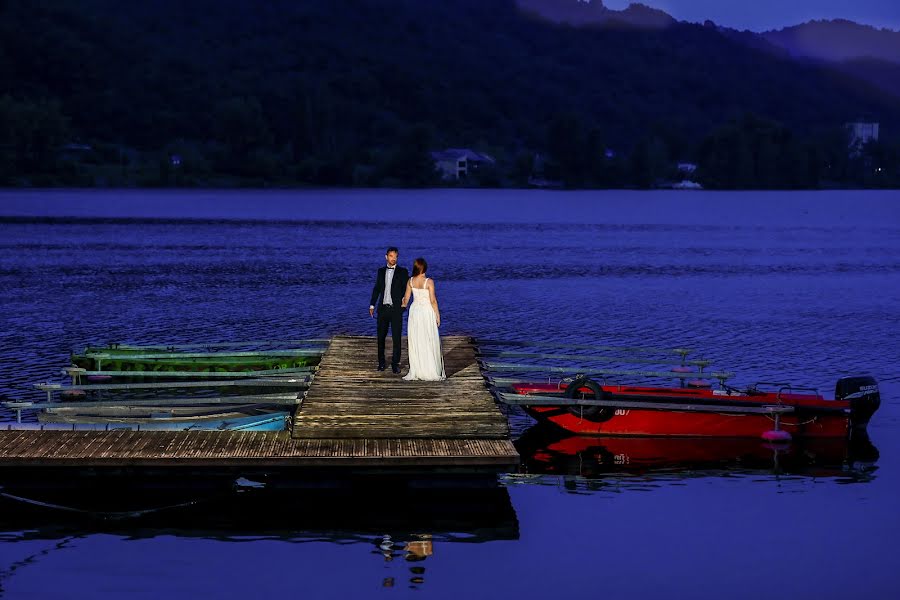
pixel 578 12
pixel 354 91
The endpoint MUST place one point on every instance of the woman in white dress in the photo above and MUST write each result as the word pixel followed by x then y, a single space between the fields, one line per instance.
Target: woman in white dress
pixel 426 363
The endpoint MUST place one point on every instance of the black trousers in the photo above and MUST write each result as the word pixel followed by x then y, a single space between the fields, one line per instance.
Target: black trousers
pixel 390 317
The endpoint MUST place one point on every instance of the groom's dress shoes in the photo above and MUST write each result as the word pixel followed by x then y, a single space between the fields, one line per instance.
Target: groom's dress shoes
pixel 381 367
pixel 395 369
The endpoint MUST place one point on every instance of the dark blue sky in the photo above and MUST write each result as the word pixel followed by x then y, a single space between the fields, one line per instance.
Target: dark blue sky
pixel 774 14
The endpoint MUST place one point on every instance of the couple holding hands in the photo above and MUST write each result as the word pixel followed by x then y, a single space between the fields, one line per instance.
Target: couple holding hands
pixel 391 295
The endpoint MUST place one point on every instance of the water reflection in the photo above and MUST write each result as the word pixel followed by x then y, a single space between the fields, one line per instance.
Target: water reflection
pixel 586 463
pixel 412 550
pixel 145 505
pixel 403 524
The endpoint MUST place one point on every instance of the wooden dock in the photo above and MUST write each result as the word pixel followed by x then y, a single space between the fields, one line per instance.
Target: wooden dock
pixel 349 399
pixel 352 416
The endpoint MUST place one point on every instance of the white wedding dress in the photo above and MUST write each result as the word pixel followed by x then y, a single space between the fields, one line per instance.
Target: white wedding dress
pixel 426 363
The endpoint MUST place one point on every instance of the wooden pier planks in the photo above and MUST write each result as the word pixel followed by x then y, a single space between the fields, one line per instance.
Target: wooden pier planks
pixel 240 449
pixel 350 399
pixel 384 423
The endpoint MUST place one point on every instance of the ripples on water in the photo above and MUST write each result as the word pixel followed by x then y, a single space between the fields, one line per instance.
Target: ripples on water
pixel 769 290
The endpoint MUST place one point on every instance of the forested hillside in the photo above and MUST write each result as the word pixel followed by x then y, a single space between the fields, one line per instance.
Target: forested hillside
pixel 355 92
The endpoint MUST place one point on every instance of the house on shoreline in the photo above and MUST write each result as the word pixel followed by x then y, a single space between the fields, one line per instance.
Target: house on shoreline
pixel 860 134
pixel 460 163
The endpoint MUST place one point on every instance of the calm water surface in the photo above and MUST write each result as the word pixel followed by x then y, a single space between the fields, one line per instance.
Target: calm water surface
pixel 802 287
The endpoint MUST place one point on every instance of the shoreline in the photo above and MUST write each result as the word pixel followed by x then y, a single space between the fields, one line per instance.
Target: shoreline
pixel 410 208
pixel 316 188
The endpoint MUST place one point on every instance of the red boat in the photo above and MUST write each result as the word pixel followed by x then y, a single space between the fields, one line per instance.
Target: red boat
pixel 586 407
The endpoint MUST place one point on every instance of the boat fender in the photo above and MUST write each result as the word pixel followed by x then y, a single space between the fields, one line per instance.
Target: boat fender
pixel 591 413
pixel 776 435
pixel 862 393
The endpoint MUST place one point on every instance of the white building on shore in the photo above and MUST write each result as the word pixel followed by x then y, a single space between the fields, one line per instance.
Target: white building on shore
pixel 459 163
pixel 861 133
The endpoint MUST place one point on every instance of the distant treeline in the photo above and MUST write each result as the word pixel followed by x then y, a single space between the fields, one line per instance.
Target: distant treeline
pixel 356 93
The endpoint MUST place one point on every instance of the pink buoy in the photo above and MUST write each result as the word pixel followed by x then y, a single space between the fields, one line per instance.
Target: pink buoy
pixel 72 394
pixel 99 377
pixel 776 435
pixel 699 383
pixel 683 370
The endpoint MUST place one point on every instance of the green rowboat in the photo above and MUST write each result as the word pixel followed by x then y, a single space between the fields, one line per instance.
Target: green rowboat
pixel 153 359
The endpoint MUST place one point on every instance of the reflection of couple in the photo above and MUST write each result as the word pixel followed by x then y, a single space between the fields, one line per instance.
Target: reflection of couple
pixel 391 295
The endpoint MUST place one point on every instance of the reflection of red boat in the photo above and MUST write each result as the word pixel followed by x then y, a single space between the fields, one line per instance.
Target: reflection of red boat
pixel 548 452
pixel 589 408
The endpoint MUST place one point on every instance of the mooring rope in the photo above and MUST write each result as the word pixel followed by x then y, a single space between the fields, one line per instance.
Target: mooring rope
pixel 95 513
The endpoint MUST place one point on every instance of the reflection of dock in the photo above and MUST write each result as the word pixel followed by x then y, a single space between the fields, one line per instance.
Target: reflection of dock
pixel 352 416
pixel 212 508
pixel 405 526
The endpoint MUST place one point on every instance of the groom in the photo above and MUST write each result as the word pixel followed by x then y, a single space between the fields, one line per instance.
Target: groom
pixel 387 295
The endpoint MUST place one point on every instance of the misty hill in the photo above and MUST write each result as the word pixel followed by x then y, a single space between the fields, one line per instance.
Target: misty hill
pixel 861 51
pixel 837 41
pixel 339 92
pixel 593 12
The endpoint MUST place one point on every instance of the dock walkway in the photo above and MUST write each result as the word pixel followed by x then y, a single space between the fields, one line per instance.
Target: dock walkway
pixel 352 416
pixel 350 399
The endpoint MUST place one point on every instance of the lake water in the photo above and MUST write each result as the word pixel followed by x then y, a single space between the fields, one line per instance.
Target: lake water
pixel 803 287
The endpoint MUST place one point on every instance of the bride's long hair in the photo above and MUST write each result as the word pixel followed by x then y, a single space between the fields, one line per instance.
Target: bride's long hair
pixel 420 266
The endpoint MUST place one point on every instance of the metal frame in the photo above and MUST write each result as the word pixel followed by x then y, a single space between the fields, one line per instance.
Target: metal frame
pixel 533 400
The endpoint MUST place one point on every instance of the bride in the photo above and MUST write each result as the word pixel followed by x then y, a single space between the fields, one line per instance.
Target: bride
pixel 426 362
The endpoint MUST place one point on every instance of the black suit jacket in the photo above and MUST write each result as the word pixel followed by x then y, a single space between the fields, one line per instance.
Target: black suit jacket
pixel 398 287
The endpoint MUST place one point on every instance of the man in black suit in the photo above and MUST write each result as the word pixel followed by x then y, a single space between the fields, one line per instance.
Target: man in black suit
pixel 387 295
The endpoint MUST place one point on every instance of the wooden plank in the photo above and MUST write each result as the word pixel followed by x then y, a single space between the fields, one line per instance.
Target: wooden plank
pixel 242 444
pixel 138 446
pixel 343 406
pixel 7 441
pixel 374 400
pixel 85 450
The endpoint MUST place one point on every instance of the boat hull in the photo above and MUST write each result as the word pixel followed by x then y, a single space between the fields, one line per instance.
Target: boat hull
pixel 634 422
pixel 706 413
pixel 231 421
pixel 194 365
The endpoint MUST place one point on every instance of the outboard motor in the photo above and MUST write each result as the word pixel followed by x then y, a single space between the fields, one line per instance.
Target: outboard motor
pixel 862 393
pixel 861 452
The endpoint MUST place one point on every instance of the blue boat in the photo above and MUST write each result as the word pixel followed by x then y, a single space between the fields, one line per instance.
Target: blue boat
pixel 184 419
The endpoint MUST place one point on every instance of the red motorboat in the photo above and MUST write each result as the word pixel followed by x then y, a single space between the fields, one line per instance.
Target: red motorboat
pixel 587 407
